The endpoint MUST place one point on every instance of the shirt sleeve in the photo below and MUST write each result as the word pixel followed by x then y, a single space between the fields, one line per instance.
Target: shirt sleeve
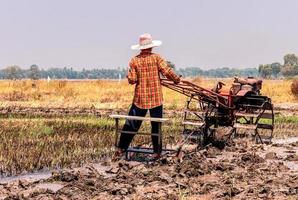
pixel 132 74
pixel 167 71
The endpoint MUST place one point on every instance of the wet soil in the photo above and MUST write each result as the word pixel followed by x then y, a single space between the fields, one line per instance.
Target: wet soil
pixel 242 170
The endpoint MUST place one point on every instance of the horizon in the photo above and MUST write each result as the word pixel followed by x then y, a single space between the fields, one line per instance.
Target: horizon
pixel 204 34
pixel 123 68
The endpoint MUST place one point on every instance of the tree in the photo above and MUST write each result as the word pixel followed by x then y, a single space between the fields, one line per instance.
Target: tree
pixel 290 59
pixel 2 74
pixel 265 71
pixel 290 67
pixel 276 68
pixel 13 72
pixel 34 72
pixel 260 69
pixel 289 70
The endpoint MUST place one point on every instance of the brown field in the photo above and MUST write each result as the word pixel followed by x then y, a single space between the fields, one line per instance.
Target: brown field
pixel 64 125
pixel 107 94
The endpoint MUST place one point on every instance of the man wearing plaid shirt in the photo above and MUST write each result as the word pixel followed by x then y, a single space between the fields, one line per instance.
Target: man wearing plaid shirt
pixel 144 71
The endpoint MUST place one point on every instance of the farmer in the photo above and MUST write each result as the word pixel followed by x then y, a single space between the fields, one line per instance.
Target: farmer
pixel 144 71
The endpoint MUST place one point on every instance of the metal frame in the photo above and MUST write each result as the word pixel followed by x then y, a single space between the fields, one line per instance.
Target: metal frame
pixel 144 150
pixel 198 93
pixel 217 107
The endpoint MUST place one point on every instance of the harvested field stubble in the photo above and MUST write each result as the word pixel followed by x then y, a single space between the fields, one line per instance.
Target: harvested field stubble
pixel 31 143
pixel 108 94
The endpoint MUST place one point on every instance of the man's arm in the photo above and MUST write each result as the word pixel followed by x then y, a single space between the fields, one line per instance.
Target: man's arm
pixel 132 74
pixel 167 71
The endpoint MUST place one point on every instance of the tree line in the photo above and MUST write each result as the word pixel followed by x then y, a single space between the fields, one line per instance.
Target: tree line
pixel 274 70
pixel 35 73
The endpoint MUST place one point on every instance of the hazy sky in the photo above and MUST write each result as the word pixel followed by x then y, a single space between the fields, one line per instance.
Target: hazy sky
pixel 97 33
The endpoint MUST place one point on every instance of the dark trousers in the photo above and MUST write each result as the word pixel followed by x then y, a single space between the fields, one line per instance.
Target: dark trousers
pixel 134 125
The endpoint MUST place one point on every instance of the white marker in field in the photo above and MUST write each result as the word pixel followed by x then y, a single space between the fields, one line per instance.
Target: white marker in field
pixel 49 79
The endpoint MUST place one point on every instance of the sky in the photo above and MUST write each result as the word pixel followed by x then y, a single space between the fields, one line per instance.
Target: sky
pixel 195 33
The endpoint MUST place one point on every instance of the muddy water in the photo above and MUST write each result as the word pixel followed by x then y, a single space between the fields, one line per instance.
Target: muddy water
pixel 31 177
pixel 287 140
pixel 37 176
pixel 286 151
pixel 54 187
pixel 282 154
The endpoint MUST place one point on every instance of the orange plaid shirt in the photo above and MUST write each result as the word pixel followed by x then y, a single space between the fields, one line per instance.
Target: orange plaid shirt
pixel 144 71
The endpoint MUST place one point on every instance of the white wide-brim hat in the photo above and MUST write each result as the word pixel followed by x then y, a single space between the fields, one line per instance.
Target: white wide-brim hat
pixel 146 42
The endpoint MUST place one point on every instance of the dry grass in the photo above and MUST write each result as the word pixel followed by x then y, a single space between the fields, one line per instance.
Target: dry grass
pixel 33 144
pixel 294 87
pixel 106 94
pixel 29 144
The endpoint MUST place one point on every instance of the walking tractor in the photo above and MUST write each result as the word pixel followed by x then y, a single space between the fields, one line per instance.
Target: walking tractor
pixel 242 109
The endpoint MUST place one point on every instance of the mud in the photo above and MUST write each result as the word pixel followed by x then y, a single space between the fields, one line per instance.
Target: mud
pixel 241 171
pixel 31 177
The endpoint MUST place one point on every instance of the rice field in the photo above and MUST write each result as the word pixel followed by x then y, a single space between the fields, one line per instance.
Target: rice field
pixel 30 144
pixel 42 142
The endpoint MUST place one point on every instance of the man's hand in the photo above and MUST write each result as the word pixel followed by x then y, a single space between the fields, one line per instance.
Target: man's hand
pixel 178 81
